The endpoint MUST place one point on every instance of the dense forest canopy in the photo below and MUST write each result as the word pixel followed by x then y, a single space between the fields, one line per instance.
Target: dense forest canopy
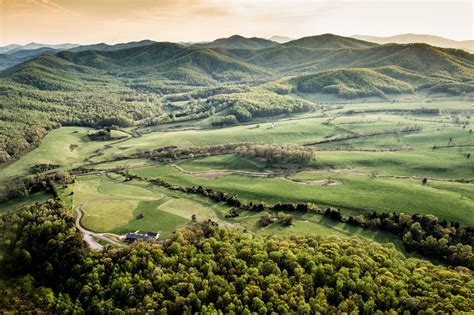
pixel 204 268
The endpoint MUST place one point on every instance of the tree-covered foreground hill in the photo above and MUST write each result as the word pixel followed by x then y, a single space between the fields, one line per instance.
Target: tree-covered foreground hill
pixel 208 269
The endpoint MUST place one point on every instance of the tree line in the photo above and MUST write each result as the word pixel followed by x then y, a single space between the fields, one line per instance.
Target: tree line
pixel 277 153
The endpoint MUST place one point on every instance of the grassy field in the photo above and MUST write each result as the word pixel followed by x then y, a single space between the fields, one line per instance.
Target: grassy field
pixel 287 131
pixel 121 164
pixel 107 204
pixel 352 193
pixel 155 219
pixel 111 205
pixel 171 209
pixel 223 162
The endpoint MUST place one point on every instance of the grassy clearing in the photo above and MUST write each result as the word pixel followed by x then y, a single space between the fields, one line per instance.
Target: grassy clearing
pixel 110 205
pixel 154 219
pixel 315 224
pixel 185 208
pixel 107 204
pixel 419 159
pixel 451 104
pixel 122 164
pixel 66 194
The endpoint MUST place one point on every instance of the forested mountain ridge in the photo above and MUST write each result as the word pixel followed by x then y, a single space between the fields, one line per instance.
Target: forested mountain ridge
pixel 107 47
pixel 14 54
pixel 8 60
pixel 311 54
pixel 158 58
pixel 9 49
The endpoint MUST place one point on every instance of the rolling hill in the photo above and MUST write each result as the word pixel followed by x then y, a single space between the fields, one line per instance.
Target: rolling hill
pixel 352 83
pixel 107 47
pixel 171 61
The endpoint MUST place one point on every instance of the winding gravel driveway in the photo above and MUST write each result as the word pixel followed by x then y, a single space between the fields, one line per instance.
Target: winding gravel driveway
pixel 88 236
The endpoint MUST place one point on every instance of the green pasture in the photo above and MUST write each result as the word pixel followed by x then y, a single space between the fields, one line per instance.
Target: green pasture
pixel 223 162
pixel 286 131
pixel 110 204
pixel 352 193
pixel 415 155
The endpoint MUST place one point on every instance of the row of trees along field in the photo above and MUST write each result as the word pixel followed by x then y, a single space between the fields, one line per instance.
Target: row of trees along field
pixel 271 153
pixel 277 153
pixel 174 152
pixel 204 268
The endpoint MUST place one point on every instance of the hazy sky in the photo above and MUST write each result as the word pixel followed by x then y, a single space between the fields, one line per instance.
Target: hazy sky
pixel 112 21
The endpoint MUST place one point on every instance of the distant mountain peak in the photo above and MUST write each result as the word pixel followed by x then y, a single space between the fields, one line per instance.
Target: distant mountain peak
pixel 236 36
pixel 239 42
pixel 281 39
pixel 410 38
pixel 331 41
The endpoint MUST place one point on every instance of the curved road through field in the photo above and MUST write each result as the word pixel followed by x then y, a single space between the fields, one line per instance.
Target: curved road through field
pixel 88 236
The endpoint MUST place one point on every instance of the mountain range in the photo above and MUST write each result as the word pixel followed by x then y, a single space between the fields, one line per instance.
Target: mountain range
pixel 32 46
pixel 11 55
pixel 238 59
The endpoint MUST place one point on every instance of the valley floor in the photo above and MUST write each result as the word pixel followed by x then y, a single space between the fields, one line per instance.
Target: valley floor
pixel 371 158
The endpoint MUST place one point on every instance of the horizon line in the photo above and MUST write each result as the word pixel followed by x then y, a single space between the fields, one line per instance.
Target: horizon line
pixel 207 41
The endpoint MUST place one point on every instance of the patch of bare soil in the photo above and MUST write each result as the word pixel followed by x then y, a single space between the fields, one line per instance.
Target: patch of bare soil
pixel 319 182
pixel 213 174
pixel 336 170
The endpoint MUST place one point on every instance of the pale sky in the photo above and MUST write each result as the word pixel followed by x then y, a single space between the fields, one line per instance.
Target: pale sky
pixel 113 21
